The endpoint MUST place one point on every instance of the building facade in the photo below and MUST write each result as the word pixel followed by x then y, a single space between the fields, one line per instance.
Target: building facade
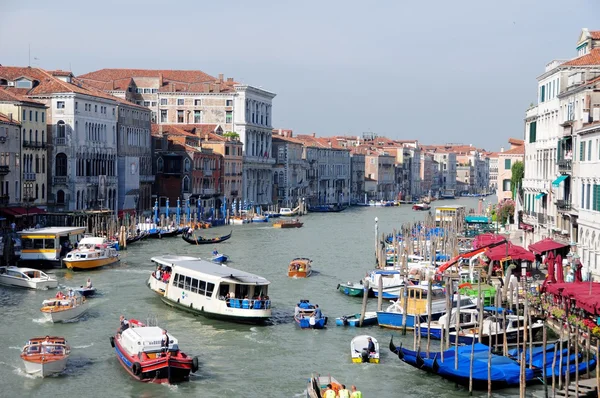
pixel 379 167
pixel 290 172
pixel 357 178
pixel 506 160
pixel 10 165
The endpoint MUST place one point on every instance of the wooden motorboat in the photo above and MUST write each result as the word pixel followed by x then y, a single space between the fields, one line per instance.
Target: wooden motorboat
pixel 91 252
pixel 45 356
pixel 146 357
pixel 288 224
pixel 317 385
pixel 352 289
pixel 260 218
pixel 300 268
pixel 27 278
pixel 86 291
pixel 359 349
pixel 307 316
pixel 189 238
pixel 354 319
pixel 494 330
pixel 61 309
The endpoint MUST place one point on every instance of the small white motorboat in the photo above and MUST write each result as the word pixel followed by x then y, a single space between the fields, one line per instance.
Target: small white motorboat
pixel 287 212
pixel 61 309
pixel 359 348
pixel 45 356
pixel 26 277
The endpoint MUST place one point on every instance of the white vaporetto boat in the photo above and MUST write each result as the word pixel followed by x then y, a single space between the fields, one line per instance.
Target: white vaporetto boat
pixel 215 291
pixel 62 309
pixel 45 356
pixel 26 277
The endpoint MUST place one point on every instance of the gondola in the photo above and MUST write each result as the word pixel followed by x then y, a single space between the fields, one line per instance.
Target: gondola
pixel 204 241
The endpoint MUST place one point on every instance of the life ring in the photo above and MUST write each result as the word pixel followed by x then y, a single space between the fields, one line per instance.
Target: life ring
pixel 136 368
pixel 465 285
pixel 195 366
pixel 112 341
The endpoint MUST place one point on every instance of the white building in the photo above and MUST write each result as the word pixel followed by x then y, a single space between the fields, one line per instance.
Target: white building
pixel 555 190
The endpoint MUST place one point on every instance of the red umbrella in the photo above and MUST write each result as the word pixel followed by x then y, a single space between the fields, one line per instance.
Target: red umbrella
pixel 560 276
pixel 550 264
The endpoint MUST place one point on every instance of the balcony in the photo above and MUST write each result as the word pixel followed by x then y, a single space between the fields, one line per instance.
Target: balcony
pixel 146 178
pixel 29 176
pixel 60 141
pixel 59 180
pixel 4 199
pixel 207 191
pixel 234 193
pixel 563 205
pixel 565 166
pixel 542 218
pixel 4 170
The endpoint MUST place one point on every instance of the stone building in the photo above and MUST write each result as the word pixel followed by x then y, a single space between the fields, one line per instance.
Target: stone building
pixel 290 172
pixel 10 168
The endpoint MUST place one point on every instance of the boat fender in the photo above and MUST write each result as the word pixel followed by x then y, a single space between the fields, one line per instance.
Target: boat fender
pixel 195 366
pixel 136 368
pixel 112 341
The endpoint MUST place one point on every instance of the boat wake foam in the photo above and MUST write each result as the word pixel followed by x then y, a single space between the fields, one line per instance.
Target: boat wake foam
pixel 83 346
pixel 41 320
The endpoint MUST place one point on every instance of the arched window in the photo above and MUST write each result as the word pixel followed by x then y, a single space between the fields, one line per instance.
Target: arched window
pixel 30 136
pixel 275 178
pixel 61 165
pixel 159 165
pixel 61 130
pixel 24 135
pixel 186 184
pixel 37 163
pixel 187 164
pixel 36 136
pixel 43 136
pixel 43 164
pixel 37 191
pixel 60 197
pixel 43 188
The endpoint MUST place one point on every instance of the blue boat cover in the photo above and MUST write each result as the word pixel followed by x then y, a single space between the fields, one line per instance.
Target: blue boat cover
pixel 499 309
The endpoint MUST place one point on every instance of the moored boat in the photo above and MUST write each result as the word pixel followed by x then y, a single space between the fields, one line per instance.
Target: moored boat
pixel 272 214
pixel 300 268
pixel 239 220
pixel 288 212
pixel 352 289
pixel 336 208
pixel 91 252
pixel 309 316
pixel 468 318
pixel 354 319
pixel 62 309
pixel 150 354
pixel 26 277
pixel 189 238
pixel 494 329
pixel 260 218
pixel 288 224
pixel 364 349
pixel 214 291
pixel 45 356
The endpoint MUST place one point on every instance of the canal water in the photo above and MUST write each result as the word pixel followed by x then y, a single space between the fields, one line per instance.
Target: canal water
pixel 235 360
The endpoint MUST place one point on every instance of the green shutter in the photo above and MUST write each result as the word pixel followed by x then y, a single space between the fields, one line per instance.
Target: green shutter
pixel 581 150
pixel 532 131
pixel 543 94
pixel 590 150
pixel 507 164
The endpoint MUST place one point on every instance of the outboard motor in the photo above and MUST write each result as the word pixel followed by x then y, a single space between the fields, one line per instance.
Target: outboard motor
pixel 364 354
pixel 345 321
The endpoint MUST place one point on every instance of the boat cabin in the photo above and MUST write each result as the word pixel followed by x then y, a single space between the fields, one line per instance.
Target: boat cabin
pixel 146 339
pixel 300 268
pixel 48 245
pixel 25 273
pixel 417 298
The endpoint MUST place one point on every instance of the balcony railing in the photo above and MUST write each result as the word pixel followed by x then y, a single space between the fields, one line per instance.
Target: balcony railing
pixel 61 141
pixel 146 178
pixel 207 172
pixel 29 176
pixel 207 191
pixel 565 165
pixel 4 170
pixel 59 180
pixel 234 193
pixel 563 205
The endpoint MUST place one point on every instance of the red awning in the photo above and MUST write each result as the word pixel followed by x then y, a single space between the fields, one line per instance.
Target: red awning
pixel 515 252
pixel 526 227
pixel 21 211
pixel 546 245
pixel 586 295
pixel 486 240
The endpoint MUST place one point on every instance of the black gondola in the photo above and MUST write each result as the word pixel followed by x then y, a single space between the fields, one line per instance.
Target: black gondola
pixel 203 241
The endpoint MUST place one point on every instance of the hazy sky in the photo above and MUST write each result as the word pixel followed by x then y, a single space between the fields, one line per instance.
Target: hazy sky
pixel 438 71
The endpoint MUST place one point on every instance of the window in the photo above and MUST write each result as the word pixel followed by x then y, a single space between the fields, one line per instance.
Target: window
pixel 147 91
pixel 23 84
pixel 96 108
pixel 146 103
pixel 532 131
pixel 582 150
pixel 187 165
pixel 202 288
pixel 43 116
pixel 61 129
pixel 507 164
pixel 153 103
pixel 590 150
pixel 229 103
pixel 542 93
pixel 61 165
pixel 163 116
pixel 180 101
pixel 179 116
pixel 139 90
pixel 197 116
pixel 228 117
pixel 197 102
pixel 506 185
pixel 159 165
pixel 163 101
pixel 210 287
pixel 36 116
pixel 60 104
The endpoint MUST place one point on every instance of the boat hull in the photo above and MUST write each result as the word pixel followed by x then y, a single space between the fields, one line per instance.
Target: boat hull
pixel 304 323
pixel 66 315
pixel 300 274
pixel 28 284
pixel 352 290
pixel 86 292
pixel 45 368
pixel 91 264
pixel 163 370
pixel 354 320
pixel 249 319
pixel 511 337
pixel 393 320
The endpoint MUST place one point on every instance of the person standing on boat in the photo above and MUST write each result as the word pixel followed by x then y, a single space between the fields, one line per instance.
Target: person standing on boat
pixel 355 393
pixel 164 344
pixel 344 393
pixel 88 285
pixel 124 324
pixel 329 392
pixel 215 252
pixel 47 345
pixel 317 314
pixel 371 346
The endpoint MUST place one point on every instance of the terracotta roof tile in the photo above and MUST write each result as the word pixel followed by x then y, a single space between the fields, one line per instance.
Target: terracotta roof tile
pixel 591 58
pixel 6 119
pixel 520 150
pixel 10 94
pixel 595 34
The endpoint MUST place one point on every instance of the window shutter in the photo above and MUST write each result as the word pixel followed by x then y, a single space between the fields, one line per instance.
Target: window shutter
pixel 581 150
pixel 507 164
pixel 558 151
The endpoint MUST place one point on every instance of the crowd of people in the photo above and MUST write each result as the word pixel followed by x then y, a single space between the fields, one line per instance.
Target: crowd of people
pixel 336 392
pixel 162 274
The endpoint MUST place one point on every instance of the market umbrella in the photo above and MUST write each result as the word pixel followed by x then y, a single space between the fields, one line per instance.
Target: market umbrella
pixel 551 278
pixel 560 276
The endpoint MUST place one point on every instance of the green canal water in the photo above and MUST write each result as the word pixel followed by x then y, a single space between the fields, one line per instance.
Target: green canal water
pixel 235 360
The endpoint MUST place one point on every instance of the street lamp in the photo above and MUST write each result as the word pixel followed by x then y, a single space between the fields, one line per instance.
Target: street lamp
pixel 376 234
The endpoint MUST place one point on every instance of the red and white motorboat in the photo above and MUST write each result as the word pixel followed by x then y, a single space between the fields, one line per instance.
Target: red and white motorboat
pixel 421 207
pixel 140 351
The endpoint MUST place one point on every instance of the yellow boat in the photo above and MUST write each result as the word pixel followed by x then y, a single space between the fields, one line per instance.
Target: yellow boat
pixel 91 253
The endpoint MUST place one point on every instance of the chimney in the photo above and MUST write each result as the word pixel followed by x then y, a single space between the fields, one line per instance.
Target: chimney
pixel 206 136
pixel 314 134
pixel 217 86
pixel 220 77
pixel 502 149
pixel 160 79
pixel 230 80
pixel 207 87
